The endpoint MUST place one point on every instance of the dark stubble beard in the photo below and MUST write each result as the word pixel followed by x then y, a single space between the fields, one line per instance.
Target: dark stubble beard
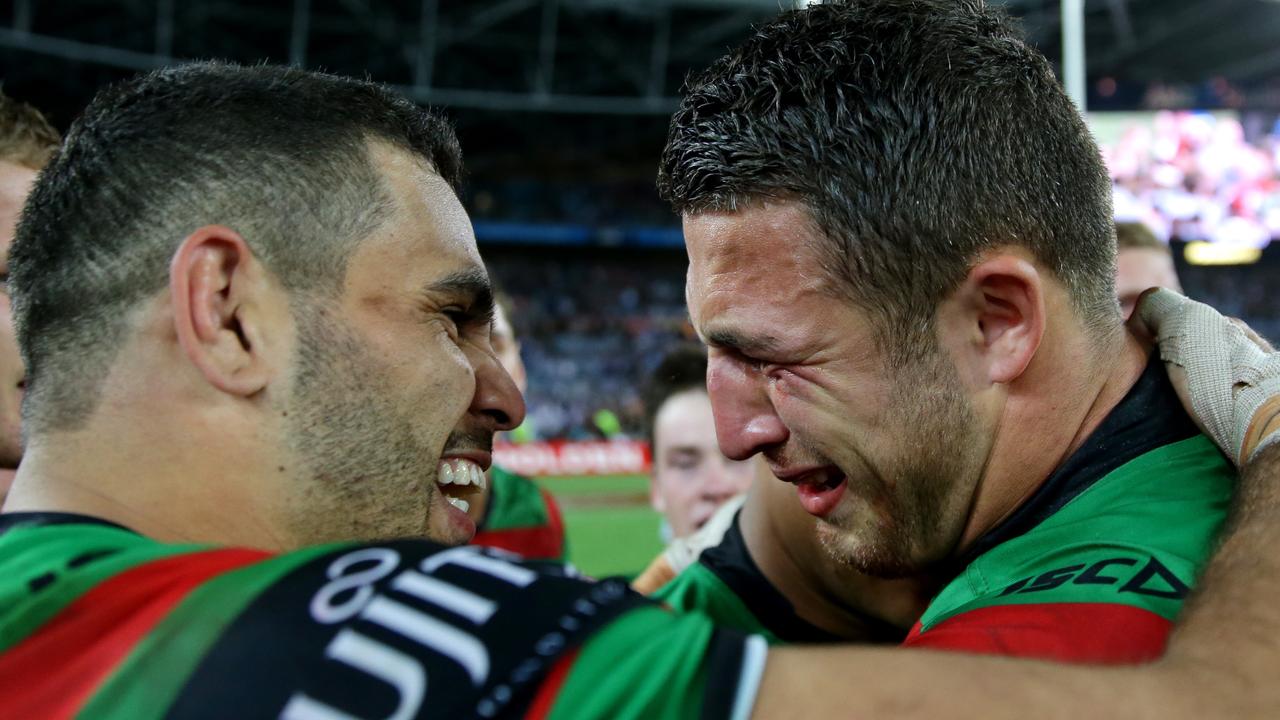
pixel 923 495
pixel 364 474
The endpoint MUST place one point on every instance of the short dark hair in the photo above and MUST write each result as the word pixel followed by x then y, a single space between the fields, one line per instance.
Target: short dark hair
pixel 26 137
pixel 917 133
pixel 279 154
pixel 1137 236
pixel 683 368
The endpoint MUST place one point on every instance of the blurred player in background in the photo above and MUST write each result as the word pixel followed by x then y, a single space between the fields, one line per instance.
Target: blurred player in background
pixel 1142 262
pixel 513 513
pixel 26 143
pixel 902 259
pixel 691 478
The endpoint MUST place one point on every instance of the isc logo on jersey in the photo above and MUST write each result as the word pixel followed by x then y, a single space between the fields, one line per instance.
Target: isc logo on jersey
pixel 351 594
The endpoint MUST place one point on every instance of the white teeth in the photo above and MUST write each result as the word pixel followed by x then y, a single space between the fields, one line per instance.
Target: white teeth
pixel 460 472
pixel 462 505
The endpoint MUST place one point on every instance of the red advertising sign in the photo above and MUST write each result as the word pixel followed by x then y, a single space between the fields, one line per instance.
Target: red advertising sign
pixel 568 457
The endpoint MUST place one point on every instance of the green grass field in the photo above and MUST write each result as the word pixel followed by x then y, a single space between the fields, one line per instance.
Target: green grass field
pixel 611 528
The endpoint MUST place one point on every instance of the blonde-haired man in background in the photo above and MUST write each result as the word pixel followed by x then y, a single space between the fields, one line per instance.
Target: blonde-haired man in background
pixel 26 143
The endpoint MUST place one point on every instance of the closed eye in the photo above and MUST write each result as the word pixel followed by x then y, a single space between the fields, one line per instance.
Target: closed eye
pixel 469 320
pixel 472 308
pixel 748 361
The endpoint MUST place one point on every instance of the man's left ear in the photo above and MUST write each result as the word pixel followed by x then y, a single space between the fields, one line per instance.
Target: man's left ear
pixel 1002 306
pixel 218 291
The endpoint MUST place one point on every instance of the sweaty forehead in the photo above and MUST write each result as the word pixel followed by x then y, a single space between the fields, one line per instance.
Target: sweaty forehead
pixel 738 259
pixel 426 236
pixel 424 201
pixel 772 230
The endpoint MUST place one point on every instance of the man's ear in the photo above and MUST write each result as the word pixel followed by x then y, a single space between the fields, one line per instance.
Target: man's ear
pixel 217 289
pixel 1002 305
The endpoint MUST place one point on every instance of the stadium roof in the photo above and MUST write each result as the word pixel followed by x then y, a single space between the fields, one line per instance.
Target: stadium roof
pixel 623 57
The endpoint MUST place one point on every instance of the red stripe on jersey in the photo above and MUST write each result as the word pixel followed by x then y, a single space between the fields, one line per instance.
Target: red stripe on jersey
pixel 541 542
pixel 535 543
pixel 555 521
pixel 1067 632
pixel 54 671
pixel 545 700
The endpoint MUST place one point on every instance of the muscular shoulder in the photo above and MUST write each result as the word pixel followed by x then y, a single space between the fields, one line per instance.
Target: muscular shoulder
pixel 400 626
pixel 1118 558
pixel 405 626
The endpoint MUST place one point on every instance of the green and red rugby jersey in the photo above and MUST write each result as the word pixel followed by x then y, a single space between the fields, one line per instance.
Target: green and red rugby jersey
pixel 727 585
pixel 521 518
pixel 1096 564
pixel 1093 567
pixel 99 622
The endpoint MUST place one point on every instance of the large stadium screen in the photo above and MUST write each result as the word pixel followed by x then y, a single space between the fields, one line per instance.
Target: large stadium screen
pixel 1195 176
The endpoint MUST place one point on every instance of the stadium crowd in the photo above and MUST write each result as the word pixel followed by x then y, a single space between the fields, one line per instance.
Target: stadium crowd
pixel 594 325
pixel 1200 176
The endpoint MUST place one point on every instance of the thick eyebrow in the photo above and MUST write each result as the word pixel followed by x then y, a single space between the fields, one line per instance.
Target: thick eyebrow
pixel 472 284
pixel 739 342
